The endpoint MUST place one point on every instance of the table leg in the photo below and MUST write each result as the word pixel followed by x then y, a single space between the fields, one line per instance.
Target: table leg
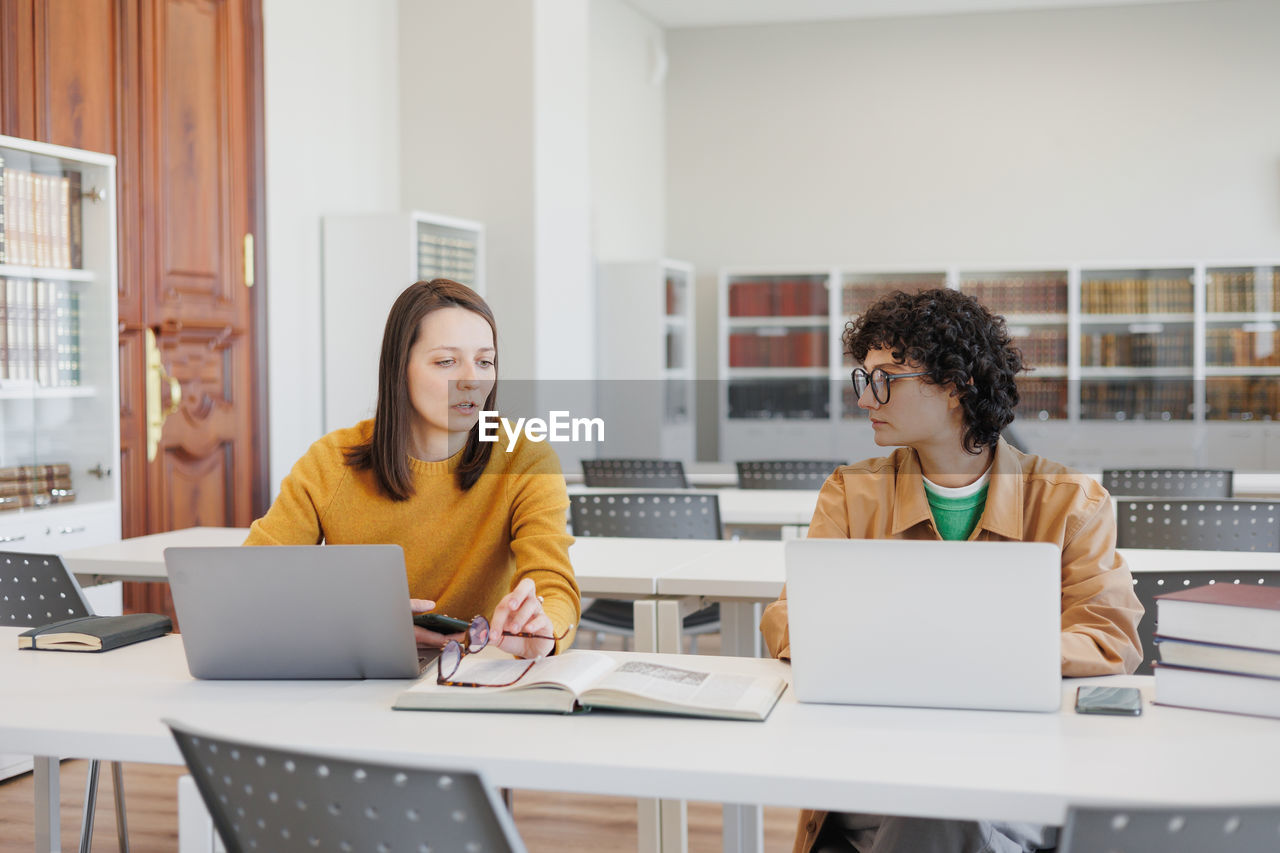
pixel 743 829
pixel 670 627
pixel 648 812
pixel 740 635
pixel 47 793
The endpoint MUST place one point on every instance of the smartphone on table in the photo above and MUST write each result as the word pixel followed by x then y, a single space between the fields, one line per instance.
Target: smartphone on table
pixel 440 623
pixel 1099 699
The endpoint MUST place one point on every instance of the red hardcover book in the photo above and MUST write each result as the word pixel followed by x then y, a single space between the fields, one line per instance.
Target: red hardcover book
pixel 1233 614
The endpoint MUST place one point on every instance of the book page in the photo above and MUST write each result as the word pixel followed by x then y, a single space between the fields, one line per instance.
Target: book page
pixel 574 670
pixel 686 687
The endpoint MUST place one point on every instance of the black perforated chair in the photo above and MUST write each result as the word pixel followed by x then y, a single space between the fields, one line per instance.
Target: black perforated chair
pixel 1171 830
pixel 1198 525
pixel 785 473
pixel 263 798
pixel 1168 482
pixel 36 589
pixel 634 473
pixel 1148 585
pixel 645 515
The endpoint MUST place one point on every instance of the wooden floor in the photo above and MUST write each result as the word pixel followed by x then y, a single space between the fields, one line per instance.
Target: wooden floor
pixel 549 822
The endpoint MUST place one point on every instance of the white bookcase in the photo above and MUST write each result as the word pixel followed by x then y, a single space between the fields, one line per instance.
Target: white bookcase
pixel 59 375
pixel 1135 363
pixel 367 261
pixel 645 318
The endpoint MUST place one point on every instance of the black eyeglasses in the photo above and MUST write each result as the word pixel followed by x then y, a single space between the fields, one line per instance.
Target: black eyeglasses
pixel 477 638
pixel 879 380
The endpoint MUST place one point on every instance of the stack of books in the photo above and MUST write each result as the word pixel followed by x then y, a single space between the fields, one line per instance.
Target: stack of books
pixel 35 485
pixel 1220 649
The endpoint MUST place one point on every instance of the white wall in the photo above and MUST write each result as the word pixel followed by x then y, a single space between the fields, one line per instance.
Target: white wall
pixel 1144 132
pixel 564 290
pixel 466 143
pixel 628 134
pixel 332 146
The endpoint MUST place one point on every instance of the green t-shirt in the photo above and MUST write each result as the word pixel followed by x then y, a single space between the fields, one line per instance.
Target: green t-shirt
pixel 957 517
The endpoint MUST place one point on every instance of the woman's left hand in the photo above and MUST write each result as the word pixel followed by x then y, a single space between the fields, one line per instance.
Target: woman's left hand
pixel 520 612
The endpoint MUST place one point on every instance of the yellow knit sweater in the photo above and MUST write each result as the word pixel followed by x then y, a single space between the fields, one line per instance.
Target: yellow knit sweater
pixel 463 550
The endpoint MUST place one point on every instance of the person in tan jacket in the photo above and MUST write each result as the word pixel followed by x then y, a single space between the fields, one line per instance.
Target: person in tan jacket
pixel 936 377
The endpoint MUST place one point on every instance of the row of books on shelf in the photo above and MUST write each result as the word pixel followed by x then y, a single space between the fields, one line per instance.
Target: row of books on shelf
pixel 1241 348
pixel 1043 348
pixel 462 275
pixel 675 292
pixel 1219 648
pixel 35 485
pixel 791 348
pixel 803 297
pixel 1042 399
pixel 858 296
pixel 40 218
pixel 1242 398
pixel 1237 291
pixel 1148 399
pixel 1168 348
pixel 1019 295
pixel 675 351
pixel 798 399
pixel 39 332
pixel 1136 296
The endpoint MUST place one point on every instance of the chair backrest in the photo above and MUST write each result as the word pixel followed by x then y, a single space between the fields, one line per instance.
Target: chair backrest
pixel 262 798
pixel 634 473
pixel 1171 830
pixel 36 589
pixel 785 473
pixel 1198 525
pixel 1168 482
pixel 646 515
pixel 1147 585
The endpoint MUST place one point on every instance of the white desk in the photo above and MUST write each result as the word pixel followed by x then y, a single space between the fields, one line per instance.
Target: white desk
pixel 951 764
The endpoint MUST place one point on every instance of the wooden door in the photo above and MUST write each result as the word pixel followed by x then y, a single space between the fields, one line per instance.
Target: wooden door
pixel 173 88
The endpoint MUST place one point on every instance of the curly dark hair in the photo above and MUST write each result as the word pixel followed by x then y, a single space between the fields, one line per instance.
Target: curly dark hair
pixel 958 342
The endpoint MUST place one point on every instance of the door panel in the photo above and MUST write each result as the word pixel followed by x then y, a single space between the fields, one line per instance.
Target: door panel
pixel 203 456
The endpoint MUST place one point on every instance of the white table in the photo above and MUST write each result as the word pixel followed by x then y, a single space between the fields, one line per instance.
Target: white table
pixel 951 764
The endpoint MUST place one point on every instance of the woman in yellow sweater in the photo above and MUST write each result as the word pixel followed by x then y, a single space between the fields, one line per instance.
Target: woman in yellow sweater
pixel 483 529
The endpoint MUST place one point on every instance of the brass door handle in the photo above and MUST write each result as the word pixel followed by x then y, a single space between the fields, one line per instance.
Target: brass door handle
pixel 156 414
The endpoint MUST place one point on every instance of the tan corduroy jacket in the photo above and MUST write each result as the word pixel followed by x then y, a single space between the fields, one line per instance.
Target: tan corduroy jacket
pixel 1029 499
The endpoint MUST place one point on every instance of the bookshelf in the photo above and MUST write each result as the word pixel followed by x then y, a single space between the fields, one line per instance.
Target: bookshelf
pixel 645 363
pixel 367 260
pixel 59 398
pixel 59 380
pixel 1185 356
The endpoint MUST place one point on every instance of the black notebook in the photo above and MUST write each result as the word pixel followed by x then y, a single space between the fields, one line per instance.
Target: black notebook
pixel 95 633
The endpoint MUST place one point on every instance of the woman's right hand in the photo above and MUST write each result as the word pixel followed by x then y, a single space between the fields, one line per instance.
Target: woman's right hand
pixel 430 639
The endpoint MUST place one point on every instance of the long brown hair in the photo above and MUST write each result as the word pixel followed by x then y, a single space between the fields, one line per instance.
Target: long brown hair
pixel 387 451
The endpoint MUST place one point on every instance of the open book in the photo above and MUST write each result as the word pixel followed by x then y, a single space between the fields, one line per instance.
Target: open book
pixel 582 679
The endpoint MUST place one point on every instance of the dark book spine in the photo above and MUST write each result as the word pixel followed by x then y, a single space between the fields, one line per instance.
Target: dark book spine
pixel 75 223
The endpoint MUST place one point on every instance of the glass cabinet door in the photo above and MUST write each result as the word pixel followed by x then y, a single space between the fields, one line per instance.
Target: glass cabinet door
pixel 1137 350
pixel 59 416
pixel 1034 305
pixel 778 347
pixel 1242 343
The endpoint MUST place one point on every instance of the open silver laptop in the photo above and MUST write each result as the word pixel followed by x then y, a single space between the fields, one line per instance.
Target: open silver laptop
pixel 925 623
pixel 294 611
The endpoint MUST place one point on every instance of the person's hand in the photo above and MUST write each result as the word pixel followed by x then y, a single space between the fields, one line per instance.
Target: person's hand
pixel 430 639
pixel 520 612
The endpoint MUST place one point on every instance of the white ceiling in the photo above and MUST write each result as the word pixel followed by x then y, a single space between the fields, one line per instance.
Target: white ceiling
pixel 713 13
